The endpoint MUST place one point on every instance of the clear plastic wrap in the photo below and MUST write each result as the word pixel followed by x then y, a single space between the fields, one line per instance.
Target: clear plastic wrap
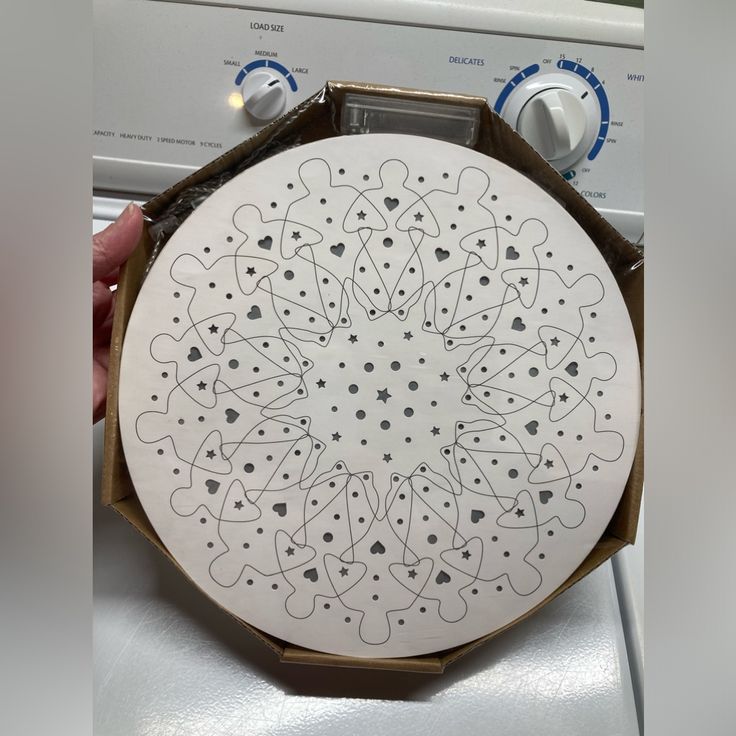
pixel 332 112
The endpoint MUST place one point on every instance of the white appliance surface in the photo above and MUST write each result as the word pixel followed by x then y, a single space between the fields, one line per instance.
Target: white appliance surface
pixel 168 98
pixel 168 661
pixel 170 76
pixel 628 570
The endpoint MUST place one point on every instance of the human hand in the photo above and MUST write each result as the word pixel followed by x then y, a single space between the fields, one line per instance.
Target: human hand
pixel 110 249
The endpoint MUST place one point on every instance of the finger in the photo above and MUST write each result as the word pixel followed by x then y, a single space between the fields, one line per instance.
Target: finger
pixel 112 247
pixel 101 356
pixel 103 333
pixel 112 278
pixel 99 384
pixel 102 303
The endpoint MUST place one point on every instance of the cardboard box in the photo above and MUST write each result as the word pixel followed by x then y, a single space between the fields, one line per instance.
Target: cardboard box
pixel 316 118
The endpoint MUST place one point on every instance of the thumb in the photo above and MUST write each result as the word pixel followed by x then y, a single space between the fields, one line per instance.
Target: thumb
pixel 112 246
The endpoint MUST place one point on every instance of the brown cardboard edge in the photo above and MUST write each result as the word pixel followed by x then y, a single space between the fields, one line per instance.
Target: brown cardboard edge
pixel 117 488
pixel 116 483
pixel 419 665
pixel 625 519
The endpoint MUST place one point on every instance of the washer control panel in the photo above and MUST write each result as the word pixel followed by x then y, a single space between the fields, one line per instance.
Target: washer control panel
pixel 199 79
pixel 564 114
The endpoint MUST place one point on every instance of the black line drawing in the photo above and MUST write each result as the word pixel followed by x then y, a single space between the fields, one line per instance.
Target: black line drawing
pixel 383 409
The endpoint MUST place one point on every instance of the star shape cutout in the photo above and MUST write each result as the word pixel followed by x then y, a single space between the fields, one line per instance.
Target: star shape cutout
pixel 289 551
pixel 408 336
pixel 444 376
pixel 435 431
pixel 353 338
pixel 523 280
pixel 201 385
pixel 466 555
pixel 412 573
pixel 387 457
pixel 336 437
pixel 296 235
pixel 418 217
pixel 250 271
pixel 481 243
pixel 555 341
pixel 361 215
pixel 564 398
pixel 343 572
pixel 519 513
pixel 210 454
pixel 238 505
pixel 548 464
pixel 383 395
pixel 321 383
pixel 213 329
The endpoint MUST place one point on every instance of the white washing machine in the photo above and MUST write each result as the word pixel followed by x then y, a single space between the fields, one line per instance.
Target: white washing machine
pixel 177 83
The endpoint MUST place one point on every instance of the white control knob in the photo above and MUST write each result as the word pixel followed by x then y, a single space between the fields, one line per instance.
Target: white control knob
pixel 557 114
pixel 264 95
pixel 553 122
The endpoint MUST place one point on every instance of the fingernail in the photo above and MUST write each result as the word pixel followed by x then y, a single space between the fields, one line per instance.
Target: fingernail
pixel 128 211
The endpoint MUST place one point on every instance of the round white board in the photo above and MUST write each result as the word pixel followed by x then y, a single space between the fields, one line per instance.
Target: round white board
pixel 379 395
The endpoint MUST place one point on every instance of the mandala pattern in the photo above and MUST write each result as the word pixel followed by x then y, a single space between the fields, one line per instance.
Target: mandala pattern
pixel 379 408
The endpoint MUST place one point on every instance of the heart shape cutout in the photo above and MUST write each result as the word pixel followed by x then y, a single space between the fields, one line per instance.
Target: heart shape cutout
pixel 255 312
pixel 311 574
pixel 511 253
pixel 544 496
pixel 391 203
pixel 442 577
pixel 279 508
pixel 194 354
pixel 266 242
pixel 572 368
pixel 212 486
pixel 531 427
pixel 337 250
pixel 377 548
pixel 231 415
pixel 440 254
pixel 518 325
pixel 476 515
